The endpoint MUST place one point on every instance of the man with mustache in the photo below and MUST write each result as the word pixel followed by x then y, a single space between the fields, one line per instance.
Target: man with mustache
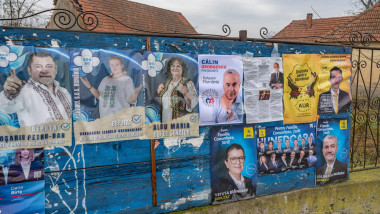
pixel 334 170
pixel 335 100
pixel 41 99
pixel 230 109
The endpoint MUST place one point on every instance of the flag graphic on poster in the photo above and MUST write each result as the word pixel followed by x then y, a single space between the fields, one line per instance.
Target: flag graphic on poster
pixel 171 82
pixel 220 89
pixel 233 161
pixel 333 147
pixel 108 95
pixel 36 104
pixel 300 88
pixel 263 89
pixel 334 84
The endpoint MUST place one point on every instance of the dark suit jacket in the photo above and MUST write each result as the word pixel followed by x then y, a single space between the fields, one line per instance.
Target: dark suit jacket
pixel 272 167
pixel 325 105
pixel 264 169
pixel 226 184
pixel 2 179
pixel 283 165
pixel 339 167
pixel 16 174
pixel 273 78
pixel 294 163
pixel 303 162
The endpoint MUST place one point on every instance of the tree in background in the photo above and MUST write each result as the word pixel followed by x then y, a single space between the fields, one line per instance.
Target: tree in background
pixel 360 5
pixel 12 9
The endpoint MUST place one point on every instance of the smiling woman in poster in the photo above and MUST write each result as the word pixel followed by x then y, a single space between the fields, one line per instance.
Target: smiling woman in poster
pixel 115 91
pixel 178 94
pixel 25 168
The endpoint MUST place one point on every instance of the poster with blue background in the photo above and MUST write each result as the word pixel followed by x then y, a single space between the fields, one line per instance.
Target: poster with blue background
pixel 18 193
pixel 233 163
pixel 108 94
pixel 35 94
pixel 333 146
pixel 171 94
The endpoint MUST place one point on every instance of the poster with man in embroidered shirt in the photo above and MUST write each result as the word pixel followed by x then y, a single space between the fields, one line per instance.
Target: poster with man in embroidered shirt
pixel 334 84
pixel 333 146
pixel 220 89
pixel 22 185
pixel 172 95
pixel 233 163
pixel 300 88
pixel 35 107
pixel 108 95
pixel 263 89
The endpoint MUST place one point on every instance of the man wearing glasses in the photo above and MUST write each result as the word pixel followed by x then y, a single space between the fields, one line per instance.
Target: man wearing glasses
pixel 41 99
pixel 335 100
pixel 234 184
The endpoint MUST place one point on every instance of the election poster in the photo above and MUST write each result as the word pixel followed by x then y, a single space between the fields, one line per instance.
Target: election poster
pixel 108 95
pixel 263 89
pixel 233 163
pixel 220 89
pixel 35 94
pixel 171 95
pixel 333 147
pixel 334 84
pixel 285 147
pixel 22 181
pixel 300 88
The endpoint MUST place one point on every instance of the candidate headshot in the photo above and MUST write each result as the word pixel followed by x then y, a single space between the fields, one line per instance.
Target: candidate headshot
pixel 233 180
pixel 334 170
pixel 335 100
pixel 230 108
pixel 277 77
pixel 39 100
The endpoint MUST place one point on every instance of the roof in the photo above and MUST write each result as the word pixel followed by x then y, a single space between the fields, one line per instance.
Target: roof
pixel 135 15
pixel 335 29
pixel 298 30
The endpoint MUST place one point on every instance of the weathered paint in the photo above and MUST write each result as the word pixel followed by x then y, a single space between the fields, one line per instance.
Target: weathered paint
pixel 116 176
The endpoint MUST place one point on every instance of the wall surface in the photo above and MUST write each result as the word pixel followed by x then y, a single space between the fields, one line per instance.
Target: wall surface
pixel 115 177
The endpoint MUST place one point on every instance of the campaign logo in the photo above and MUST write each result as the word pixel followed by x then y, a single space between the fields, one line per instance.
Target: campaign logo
pixel 6 56
pixel 209 97
pixel 65 126
pixel 344 153
pixel 193 118
pixel 251 169
pixel 136 118
pixel 86 61
pixel 152 65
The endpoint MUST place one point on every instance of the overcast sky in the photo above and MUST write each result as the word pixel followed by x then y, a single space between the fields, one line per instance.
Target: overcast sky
pixel 208 16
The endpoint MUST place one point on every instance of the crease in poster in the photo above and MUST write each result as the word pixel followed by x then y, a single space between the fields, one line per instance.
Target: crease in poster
pixel 108 95
pixel 333 146
pixel 171 95
pixel 285 148
pixel 22 181
pixel 233 163
pixel 300 88
pixel 263 89
pixel 36 104
pixel 221 90
pixel 334 84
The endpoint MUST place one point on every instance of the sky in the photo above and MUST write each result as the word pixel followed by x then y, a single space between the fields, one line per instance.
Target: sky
pixel 208 16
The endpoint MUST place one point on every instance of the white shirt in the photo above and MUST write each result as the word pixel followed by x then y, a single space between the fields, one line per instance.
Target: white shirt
pixel 26 170
pixel 239 184
pixel 114 94
pixel 36 104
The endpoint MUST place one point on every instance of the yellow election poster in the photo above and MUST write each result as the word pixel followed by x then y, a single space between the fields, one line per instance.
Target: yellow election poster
pixel 334 84
pixel 300 88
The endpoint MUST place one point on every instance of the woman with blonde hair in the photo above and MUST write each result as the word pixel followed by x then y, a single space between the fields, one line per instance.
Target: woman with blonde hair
pixel 25 168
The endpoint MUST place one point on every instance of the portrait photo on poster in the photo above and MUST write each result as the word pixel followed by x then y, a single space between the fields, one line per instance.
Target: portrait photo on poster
pixel 172 95
pixel 108 95
pixel 233 163
pixel 22 182
pixel 221 89
pixel 333 146
pixel 35 94
pixel 334 84
pixel 284 148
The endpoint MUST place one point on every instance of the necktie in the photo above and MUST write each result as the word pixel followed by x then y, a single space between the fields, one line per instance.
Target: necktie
pixel 336 102
pixel 328 171
pixel 276 77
